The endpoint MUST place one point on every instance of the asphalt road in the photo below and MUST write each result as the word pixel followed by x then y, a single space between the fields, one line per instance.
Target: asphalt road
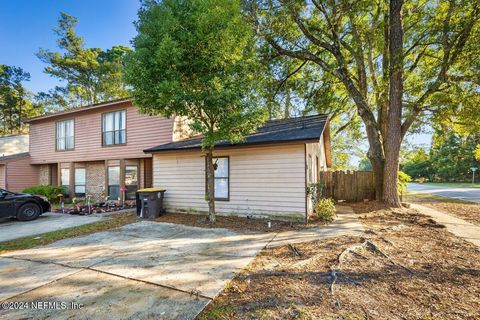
pixel 468 194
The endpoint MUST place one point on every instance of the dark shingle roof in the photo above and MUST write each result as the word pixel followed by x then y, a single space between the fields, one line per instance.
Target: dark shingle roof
pixel 273 131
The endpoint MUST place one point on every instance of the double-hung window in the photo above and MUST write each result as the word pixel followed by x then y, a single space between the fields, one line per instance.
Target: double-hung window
pixel 222 177
pixel 114 128
pixel 65 135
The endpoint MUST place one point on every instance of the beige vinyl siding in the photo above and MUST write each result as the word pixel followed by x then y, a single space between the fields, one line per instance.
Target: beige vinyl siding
pixel 264 181
pixel 314 150
pixel 142 132
pixel 2 176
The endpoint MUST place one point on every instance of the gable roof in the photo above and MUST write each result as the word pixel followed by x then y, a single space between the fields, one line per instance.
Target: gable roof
pixel 79 109
pixel 308 128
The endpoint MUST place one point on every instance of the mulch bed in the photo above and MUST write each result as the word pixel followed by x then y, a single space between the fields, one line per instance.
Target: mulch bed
pixel 235 223
pixel 406 267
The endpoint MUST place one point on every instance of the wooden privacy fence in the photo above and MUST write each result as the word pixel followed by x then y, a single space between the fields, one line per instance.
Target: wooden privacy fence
pixel 348 185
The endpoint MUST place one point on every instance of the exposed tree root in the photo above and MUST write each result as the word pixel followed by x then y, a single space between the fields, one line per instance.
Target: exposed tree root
pixel 295 250
pixel 354 250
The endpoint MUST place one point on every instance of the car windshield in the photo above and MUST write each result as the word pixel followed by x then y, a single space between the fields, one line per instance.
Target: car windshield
pixel 4 192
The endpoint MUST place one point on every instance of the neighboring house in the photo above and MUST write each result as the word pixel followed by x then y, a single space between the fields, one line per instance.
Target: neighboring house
pixel 10 145
pixel 16 173
pixel 266 176
pixel 97 149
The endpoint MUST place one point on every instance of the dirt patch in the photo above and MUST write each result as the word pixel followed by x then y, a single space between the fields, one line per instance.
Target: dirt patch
pixel 236 223
pixel 468 211
pixel 406 267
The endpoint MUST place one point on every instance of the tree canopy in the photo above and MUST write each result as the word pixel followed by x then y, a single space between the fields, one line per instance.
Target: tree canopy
pixel 91 75
pixel 392 59
pixel 197 59
pixel 15 100
pixel 449 159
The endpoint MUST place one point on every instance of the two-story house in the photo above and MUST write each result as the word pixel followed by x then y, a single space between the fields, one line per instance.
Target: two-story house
pixel 97 149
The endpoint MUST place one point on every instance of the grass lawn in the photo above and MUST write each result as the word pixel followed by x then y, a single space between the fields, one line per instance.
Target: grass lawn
pixel 117 220
pixel 453 184
pixel 406 266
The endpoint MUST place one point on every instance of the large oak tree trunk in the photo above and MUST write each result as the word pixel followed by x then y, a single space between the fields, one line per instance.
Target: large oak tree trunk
pixel 393 137
pixel 378 165
pixel 210 185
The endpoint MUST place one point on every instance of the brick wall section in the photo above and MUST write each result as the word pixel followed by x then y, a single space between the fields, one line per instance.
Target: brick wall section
pixel 44 174
pixel 95 179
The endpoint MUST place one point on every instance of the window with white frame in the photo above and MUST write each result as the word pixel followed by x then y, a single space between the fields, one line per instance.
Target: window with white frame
pixel 114 128
pixel 222 177
pixel 114 182
pixel 80 182
pixel 65 179
pixel 65 135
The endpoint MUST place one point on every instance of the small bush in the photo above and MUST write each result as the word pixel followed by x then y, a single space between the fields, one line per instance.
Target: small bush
pixel 325 209
pixel 51 192
pixel 315 192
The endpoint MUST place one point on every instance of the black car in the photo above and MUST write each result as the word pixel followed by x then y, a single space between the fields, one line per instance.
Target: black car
pixel 22 206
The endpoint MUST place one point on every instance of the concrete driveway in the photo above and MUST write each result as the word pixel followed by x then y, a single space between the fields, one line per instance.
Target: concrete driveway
pixel 145 270
pixel 467 194
pixel 11 229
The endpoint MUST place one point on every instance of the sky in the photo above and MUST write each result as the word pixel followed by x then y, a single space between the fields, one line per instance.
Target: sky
pixel 26 26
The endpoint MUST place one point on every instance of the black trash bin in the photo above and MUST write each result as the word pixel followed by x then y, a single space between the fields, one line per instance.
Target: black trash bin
pixel 150 202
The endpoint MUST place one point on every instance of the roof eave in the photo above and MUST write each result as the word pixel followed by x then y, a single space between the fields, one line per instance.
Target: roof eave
pixel 236 145
pixel 79 109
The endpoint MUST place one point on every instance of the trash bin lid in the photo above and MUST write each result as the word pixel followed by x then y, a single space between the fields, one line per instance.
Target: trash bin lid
pixel 152 190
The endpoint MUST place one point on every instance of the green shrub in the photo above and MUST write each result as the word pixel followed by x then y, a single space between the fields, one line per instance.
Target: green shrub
pixel 51 192
pixel 403 180
pixel 325 209
pixel 315 192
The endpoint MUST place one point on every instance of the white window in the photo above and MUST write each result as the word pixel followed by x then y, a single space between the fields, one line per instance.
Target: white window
pixel 114 128
pixel 65 179
pixel 80 182
pixel 65 135
pixel 222 176
pixel 114 183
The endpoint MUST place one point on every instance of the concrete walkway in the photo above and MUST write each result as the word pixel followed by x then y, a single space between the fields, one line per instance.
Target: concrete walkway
pixel 11 229
pixel 459 227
